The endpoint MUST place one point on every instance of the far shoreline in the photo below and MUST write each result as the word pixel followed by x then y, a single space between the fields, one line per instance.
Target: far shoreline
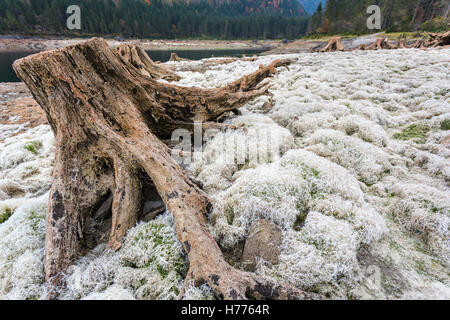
pixel 14 44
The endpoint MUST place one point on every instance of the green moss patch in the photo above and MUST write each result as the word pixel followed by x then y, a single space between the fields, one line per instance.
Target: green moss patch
pixel 445 124
pixel 5 215
pixel 417 132
pixel 33 146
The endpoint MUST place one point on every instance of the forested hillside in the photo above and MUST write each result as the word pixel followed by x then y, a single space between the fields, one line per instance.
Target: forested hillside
pixel 349 16
pixel 157 19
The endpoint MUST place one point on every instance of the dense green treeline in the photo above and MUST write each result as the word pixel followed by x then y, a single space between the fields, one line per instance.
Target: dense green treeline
pixel 135 18
pixel 350 16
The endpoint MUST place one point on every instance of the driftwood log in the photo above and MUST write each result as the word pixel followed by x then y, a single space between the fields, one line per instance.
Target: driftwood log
pixel 401 44
pixel 438 40
pixel 419 44
pixel 435 40
pixel 108 118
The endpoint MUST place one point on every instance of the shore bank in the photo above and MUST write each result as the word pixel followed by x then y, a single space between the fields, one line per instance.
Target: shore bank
pixel 9 45
pixel 272 46
pixel 18 110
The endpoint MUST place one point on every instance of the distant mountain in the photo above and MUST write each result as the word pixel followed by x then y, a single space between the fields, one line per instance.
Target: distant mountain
pixel 310 6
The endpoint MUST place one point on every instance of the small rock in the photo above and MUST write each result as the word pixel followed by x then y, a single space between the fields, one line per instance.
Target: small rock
pixel 263 242
pixel 267 106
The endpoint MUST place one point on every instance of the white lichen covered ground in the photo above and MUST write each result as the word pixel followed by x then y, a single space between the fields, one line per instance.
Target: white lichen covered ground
pixel 364 207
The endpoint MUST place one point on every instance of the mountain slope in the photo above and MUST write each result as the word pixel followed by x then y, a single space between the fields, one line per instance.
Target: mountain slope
pixel 310 6
pixel 349 16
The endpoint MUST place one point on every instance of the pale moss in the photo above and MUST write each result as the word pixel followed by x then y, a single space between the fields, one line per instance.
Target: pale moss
pixel 203 292
pixel 152 248
pixel 151 264
pixel 22 239
pixel 367 161
pixel 163 250
pixel 311 176
pixel 431 206
pixel 35 219
pixel 395 246
pixel 421 268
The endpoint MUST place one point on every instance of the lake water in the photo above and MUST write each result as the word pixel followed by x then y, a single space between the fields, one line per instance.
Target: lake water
pixel 7 74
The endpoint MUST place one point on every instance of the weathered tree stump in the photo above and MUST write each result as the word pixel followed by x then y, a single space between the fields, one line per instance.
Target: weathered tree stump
pixel 108 117
pixel 381 43
pixel 175 58
pixel 335 44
